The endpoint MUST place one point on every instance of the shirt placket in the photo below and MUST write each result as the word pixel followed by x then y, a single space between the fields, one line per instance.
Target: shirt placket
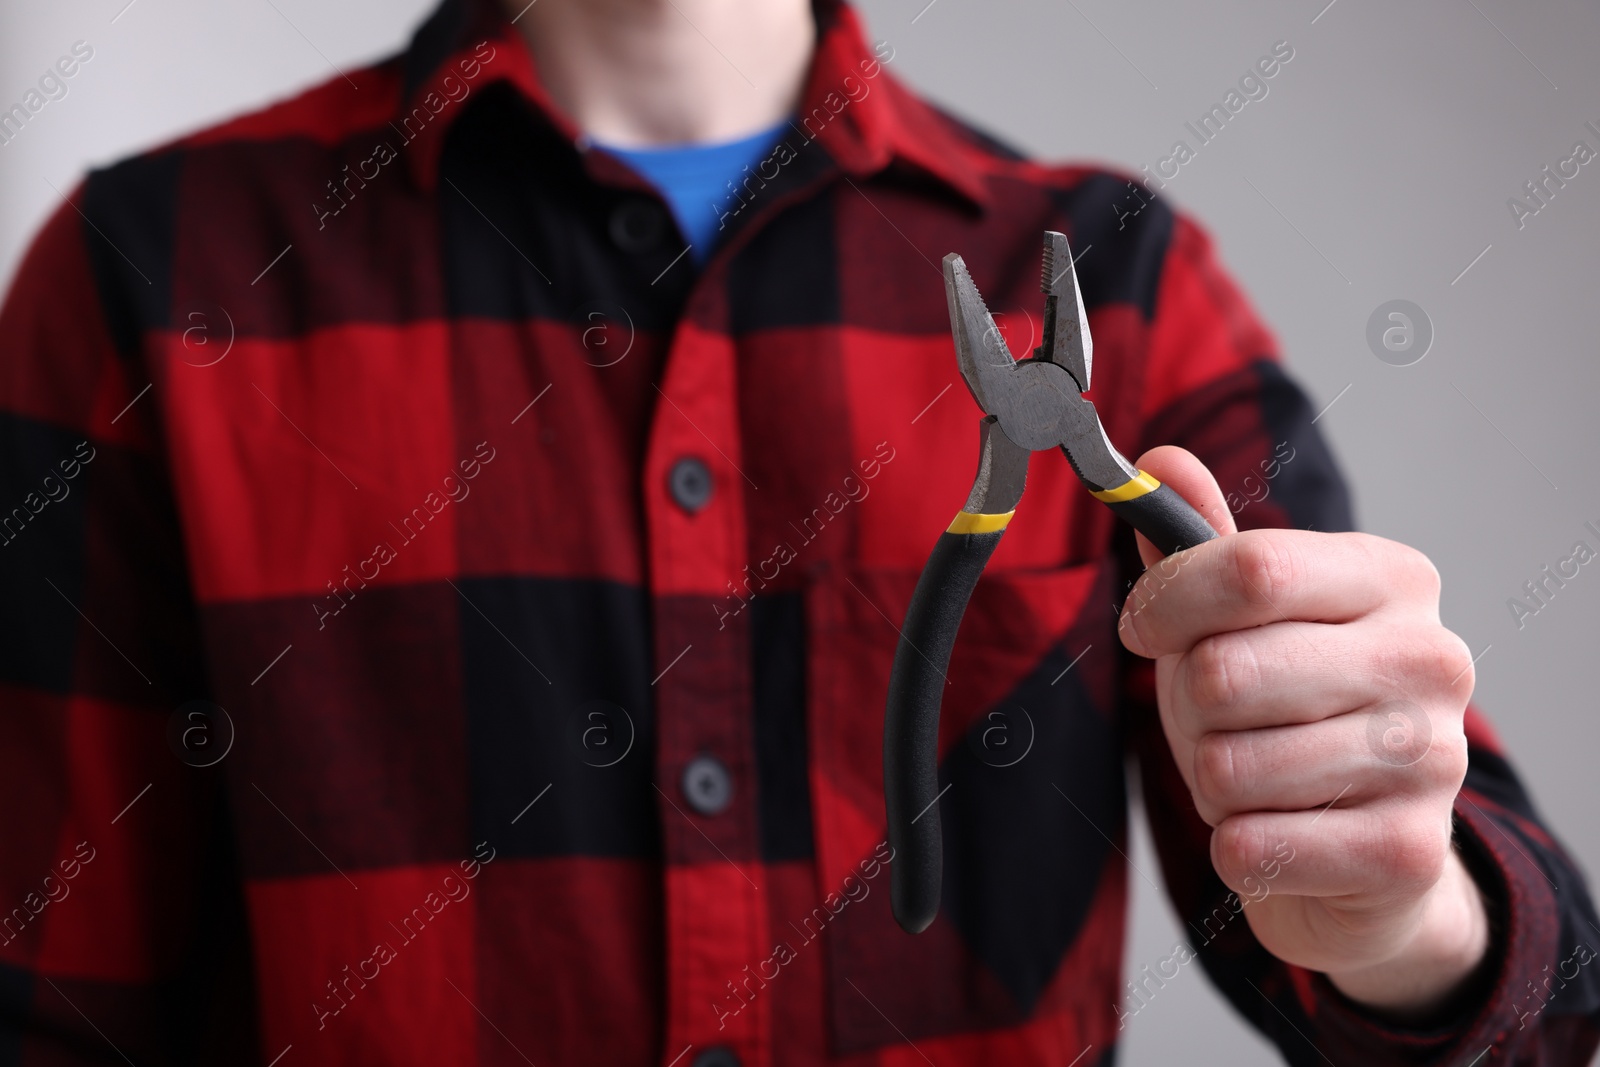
pixel 715 910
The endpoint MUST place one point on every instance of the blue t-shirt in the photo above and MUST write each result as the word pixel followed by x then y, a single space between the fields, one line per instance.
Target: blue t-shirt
pixel 694 179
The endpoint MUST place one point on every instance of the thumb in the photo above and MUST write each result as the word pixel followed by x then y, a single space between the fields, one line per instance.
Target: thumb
pixel 1190 479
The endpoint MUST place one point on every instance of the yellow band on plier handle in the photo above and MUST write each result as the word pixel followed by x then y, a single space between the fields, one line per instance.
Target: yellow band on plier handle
pixel 967 522
pixel 1132 489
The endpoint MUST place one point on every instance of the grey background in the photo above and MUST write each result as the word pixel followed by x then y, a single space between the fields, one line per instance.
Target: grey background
pixel 1377 167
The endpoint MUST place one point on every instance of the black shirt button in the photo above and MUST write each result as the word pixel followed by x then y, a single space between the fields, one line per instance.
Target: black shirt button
pixel 719 1056
pixel 689 481
pixel 708 788
pixel 637 225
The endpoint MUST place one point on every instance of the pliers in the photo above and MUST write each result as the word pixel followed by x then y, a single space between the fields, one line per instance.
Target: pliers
pixel 1029 405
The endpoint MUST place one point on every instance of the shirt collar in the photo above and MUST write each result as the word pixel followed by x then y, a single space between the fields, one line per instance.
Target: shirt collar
pixel 851 105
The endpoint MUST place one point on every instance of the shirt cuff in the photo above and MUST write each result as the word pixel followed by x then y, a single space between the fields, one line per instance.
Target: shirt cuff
pixel 1491 1010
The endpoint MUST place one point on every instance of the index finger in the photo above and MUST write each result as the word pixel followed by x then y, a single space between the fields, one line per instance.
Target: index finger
pixel 1252 578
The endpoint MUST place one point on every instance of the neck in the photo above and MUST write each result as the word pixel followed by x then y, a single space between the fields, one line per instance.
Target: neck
pixel 637 73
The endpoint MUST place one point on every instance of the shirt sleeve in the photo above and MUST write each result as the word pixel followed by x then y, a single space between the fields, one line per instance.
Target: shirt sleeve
pixel 116 891
pixel 1214 385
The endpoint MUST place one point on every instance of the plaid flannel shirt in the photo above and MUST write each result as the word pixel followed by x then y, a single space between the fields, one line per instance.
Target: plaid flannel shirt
pixel 449 628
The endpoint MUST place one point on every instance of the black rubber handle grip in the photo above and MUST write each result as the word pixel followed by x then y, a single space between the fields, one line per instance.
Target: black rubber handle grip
pixel 911 722
pixel 1165 518
pixel 916 688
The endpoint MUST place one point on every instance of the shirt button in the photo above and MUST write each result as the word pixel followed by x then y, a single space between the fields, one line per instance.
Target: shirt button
pixel 637 225
pixel 707 787
pixel 720 1056
pixel 690 484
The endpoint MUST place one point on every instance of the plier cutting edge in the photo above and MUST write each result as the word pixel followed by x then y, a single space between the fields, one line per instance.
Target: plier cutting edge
pixel 1029 405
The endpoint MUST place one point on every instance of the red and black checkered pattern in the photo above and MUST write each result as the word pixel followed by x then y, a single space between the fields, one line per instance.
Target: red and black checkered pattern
pixel 372 404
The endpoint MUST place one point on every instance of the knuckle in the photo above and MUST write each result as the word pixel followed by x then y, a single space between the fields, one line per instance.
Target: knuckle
pixel 1221 671
pixel 1218 775
pixel 1236 844
pixel 1410 854
pixel 1263 568
pixel 1447 760
pixel 1423 573
pixel 1411 565
pixel 1434 659
pixel 1451 658
pixel 1135 621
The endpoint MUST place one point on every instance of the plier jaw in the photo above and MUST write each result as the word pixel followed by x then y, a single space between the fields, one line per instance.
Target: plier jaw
pixel 1002 474
pixel 1067 342
pixel 1030 405
pixel 1038 400
pixel 986 361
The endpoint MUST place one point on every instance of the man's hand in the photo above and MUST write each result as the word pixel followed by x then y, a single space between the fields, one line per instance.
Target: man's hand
pixel 1311 697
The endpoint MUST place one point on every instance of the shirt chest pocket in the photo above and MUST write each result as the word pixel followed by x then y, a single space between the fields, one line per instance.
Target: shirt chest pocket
pixel 1032 800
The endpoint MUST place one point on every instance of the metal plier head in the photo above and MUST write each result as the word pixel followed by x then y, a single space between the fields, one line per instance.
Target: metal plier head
pixel 1037 402
pixel 1029 405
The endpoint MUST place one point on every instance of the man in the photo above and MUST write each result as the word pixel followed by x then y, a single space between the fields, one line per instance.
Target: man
pixel 460 574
